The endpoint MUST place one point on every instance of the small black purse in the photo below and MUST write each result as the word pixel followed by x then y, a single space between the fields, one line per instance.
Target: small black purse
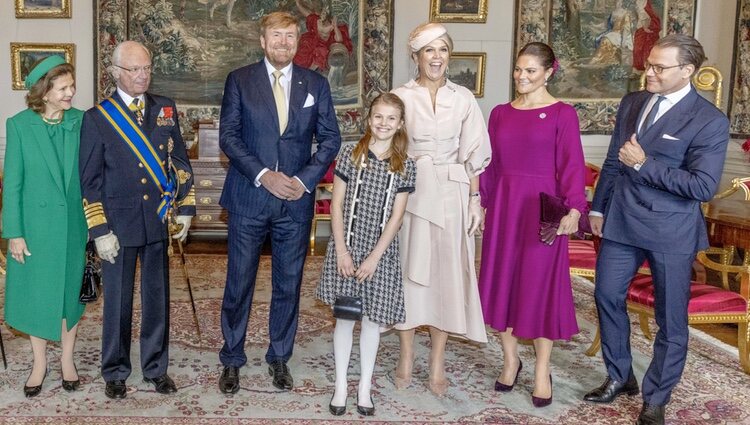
pixel 348 308
pixel 92 276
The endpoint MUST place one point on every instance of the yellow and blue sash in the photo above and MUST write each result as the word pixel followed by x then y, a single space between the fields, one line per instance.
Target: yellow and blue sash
pixel 141 147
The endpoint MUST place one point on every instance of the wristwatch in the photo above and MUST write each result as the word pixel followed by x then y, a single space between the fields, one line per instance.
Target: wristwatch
pixel 637 166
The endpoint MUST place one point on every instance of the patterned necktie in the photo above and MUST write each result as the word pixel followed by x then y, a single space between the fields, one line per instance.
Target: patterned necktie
pixel 137 108
pixel 651 117
pixel 280 98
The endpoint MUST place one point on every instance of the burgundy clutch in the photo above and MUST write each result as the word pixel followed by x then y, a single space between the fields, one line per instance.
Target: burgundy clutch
pixel 553 209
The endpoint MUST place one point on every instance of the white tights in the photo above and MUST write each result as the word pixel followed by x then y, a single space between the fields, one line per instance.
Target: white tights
pixel 369 340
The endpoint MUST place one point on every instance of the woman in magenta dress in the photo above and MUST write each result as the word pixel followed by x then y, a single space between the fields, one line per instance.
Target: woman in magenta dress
pixel 524 284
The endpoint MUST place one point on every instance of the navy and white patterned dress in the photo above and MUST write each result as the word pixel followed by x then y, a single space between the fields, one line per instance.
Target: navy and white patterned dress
pixel 383 295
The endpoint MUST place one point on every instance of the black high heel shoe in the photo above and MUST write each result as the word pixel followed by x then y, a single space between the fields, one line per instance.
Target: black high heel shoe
pixel 366 411
pixel 336 410
pixel 543 402
pixel 503 388
pixel 36 389
pixel 71 386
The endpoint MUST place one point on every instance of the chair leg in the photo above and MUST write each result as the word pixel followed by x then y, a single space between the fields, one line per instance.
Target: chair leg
pixel 313 232
pixel 743 342
pixel 643 321
pixel 595 344
pixel 2 350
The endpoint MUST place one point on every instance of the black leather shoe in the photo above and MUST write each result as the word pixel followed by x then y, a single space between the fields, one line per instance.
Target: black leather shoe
pixel 651 415
pixel 162 384
pixel 336 410
pixel 116 389
pixel 282 378
pixel 35 390
pixel 71 386
pixel 504 388
pixel 366 411
pixel 229 383
pixel 610 389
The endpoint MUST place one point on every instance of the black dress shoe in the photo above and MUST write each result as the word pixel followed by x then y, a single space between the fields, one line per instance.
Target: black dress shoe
pixel 651 415
pixel 610 389
pixel 116 389
pixel 282 378
pixel 229 383
pixel 71 386
pixel 499 386
pixel 35 390
pixel 366 411
pixel 162 384
pixel 336 410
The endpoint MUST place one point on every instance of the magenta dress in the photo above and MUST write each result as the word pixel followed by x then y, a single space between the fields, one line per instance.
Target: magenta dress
pixel 523 283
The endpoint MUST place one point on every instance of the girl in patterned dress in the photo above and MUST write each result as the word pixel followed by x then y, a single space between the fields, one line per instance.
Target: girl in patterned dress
pixel 371 184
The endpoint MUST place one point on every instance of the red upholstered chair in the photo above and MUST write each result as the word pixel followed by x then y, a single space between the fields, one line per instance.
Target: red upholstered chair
pixel 708 304
pixel 322 203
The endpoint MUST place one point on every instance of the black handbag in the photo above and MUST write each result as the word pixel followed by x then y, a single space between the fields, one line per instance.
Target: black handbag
pixel 348 308
pixel 92 276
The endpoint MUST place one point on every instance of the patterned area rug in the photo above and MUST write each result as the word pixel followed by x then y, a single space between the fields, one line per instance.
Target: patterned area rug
pixel 713 389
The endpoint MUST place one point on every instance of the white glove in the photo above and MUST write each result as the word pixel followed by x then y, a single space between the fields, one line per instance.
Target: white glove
pixel 476 215
pixel 107 247
pixel 185 221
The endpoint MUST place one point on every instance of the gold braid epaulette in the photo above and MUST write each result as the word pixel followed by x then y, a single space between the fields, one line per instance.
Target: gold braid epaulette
pixel 94 214
pixel 188 200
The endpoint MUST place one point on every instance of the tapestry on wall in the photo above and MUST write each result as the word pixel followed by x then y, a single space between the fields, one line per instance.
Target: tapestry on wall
pixel 196 43
pixel 739 102
pixel 601 46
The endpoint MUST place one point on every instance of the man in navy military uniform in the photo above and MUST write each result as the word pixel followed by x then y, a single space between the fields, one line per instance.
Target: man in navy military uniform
pixel 128 143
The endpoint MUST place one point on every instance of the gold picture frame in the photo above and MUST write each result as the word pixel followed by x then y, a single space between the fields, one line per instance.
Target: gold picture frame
pixel 31 9
pixel 460 11
pixel 24 55
pixel 467 69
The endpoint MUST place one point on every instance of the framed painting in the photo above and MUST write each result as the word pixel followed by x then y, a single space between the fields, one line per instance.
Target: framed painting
pixel 739 91
pixel 467 69
pixel 196 43
pixel 466 11
pixel 601 46
pixel 43 8
pixel 23 56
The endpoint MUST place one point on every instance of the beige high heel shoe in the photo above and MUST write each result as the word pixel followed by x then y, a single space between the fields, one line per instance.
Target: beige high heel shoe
pixel 403 381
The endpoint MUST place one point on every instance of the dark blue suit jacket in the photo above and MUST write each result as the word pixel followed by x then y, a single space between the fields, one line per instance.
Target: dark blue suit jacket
pixel 658 207
pixel 249 136
pixel 113 176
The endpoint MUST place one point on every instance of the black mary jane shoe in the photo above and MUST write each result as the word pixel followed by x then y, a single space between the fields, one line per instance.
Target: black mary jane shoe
pixel 366 411
pixel 71 386
pixel 336 410
pixel 35 390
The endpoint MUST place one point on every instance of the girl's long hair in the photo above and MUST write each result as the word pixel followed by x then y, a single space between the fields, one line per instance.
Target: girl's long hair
pixel 397 151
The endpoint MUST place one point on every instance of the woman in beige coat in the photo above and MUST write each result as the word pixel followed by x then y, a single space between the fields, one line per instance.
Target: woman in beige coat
pixel 449 141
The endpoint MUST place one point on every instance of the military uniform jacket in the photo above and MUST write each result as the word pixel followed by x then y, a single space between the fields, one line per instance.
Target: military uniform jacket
pixel 118 194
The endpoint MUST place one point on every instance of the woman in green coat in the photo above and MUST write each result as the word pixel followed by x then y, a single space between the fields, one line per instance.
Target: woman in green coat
pixel 43 219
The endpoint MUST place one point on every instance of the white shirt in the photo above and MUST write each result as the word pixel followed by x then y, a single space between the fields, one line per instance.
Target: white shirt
pixel 128 99
pixel 286 83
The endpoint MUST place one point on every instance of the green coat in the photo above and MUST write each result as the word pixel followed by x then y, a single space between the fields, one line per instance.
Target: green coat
pixel 42 203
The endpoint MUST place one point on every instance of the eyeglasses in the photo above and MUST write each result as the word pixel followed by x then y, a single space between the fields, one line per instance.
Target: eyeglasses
pixel 137 69
pixel 658 69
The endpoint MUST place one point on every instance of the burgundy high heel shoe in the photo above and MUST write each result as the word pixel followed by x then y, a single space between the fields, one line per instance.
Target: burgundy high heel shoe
pixel 499 386
pixel 543 402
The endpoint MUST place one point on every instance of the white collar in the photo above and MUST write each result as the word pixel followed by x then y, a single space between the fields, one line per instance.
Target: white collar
pixel 677 96
pixel 128 99
pixel 286 71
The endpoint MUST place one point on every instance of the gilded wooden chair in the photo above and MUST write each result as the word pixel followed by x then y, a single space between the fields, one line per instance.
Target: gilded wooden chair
pixel 323 192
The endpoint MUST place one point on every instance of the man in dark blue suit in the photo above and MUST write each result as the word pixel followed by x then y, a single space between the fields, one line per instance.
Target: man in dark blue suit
pixel 270 114
pixel 127 144
pixel 666 156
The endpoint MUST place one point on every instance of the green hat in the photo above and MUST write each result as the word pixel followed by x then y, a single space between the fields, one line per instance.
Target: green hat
pixel 42 68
